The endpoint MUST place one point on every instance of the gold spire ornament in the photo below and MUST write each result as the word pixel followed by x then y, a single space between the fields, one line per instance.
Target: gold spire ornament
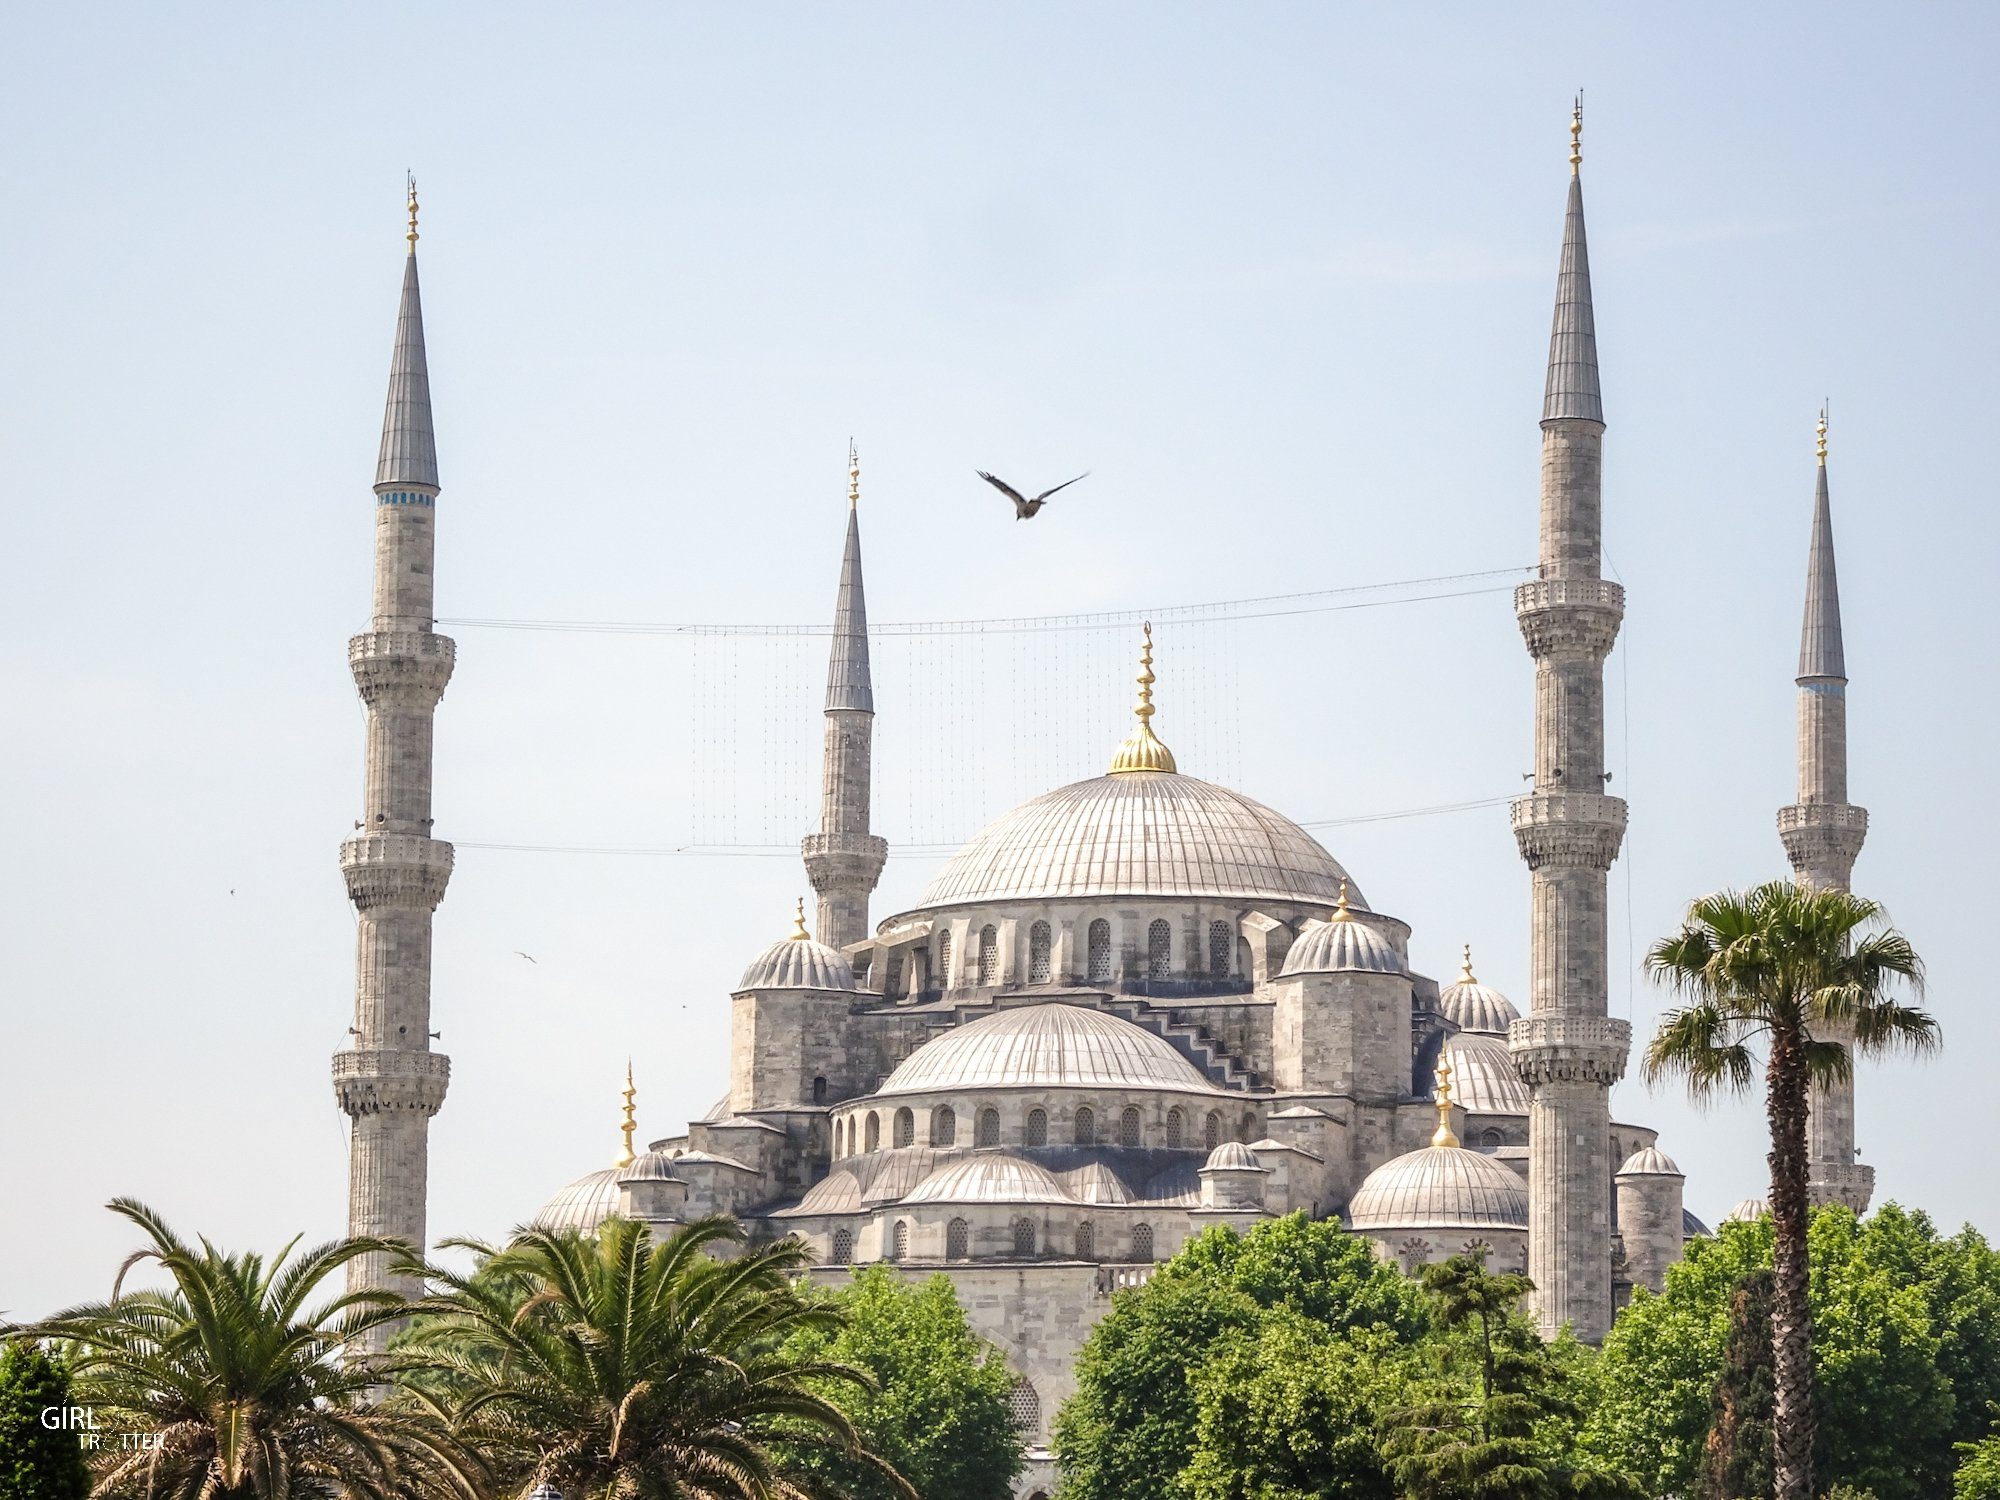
pixel 853 476
pixel 799 933
pixel 1445 1136
pixel 1341 911
pixel 411 179
pixel 1465 968
pixel 1576 136
pixel 1142 750
pixel 625 1157
pixel 1821 430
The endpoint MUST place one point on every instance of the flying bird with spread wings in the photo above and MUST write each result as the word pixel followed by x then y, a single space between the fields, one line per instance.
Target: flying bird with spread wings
pixel 1024 508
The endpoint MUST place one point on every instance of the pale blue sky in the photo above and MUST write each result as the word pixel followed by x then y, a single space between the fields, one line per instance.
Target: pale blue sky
pixel 1279 275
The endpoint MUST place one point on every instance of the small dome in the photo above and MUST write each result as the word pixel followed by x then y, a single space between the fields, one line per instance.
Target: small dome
pixel 991 1178
pixel 1441 1187
pixel 1650 1161
pixel 584 1204
pixel 649 1166
pixel 1691 1226
pixel 1483 1076
pixel 1046 1046
pixel 798 963
pixel 1749 1211
pixel 1232 1156
pixel 1344 945
pixel 1472 1006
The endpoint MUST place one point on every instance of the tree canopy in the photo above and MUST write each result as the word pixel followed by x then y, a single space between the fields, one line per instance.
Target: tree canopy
pixel 38 1461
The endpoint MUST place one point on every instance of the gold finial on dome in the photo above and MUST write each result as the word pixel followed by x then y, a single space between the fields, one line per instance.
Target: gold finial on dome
pixel 631 1120
pixel 1465 967
pixel 1142 750
pixel 1445 1135
pixel 1342 912
pixel 410 178
pixel 1576 136
pixel 853 476
pixel 799 933
pixel 1821 430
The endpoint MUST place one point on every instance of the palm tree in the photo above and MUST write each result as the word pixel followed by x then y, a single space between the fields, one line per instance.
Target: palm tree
pixel 620 1368
pixel 225 1386
pixel 1784 966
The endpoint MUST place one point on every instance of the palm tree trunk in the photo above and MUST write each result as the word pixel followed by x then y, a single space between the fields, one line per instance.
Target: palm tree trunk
pixel 1791 1314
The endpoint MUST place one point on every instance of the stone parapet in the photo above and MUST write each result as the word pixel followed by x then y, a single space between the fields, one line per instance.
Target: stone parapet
pixel 1569 616
pixel 1823 838
pixel 1570 1049
pixel 1568 830
pixel 371 1083
pixel 844 861
pixel 1849 1184
pixel 395 869
pixel 407 668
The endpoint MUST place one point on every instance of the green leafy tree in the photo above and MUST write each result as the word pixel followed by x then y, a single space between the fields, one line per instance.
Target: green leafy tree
pixel 1790 967
pixel 225 1385
pixel 1130 1429
pixel 1736 1458
pixel 1978 1476
pixel 618 1368
pixel 38 1461
pixel 939 1408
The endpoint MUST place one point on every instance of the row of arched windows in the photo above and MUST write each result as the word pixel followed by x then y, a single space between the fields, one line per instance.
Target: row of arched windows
pixel 958 1241
pixel 1130 1131
pixel 1098 957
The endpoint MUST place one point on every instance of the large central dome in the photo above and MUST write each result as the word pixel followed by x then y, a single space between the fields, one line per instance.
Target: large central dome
pixel 1147 833
pixel 1043 1046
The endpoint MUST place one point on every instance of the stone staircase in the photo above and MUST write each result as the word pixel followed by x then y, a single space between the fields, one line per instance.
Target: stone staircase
pixel 1209 1056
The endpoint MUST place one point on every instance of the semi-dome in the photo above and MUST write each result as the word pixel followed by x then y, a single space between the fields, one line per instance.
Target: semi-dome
pixel 1650 1161
pixel 798 963
pixel 1046 1046
pixel 584 1204
pixel 1139 833
pixel 1344 945
pixel 1232 1156
pixel 1484 1079
pixel 990 1177
pixel 1472 1006
pixel 1440 1187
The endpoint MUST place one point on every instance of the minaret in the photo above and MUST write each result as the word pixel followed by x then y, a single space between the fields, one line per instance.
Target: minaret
pixel 390 1083
pixel 844 860
pixel 1568 1049
pixel 1823 831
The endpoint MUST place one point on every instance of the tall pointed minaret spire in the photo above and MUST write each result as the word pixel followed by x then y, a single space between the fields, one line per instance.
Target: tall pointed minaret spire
pixel 1568 1049
pixel 1823 831
pixel 390 1082
pixel 844 860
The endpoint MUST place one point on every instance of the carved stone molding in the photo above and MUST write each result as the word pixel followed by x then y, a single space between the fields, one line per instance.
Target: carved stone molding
pixel 395 869
pixel 372 1083
pixel 1569 616
pixel 1570 1049
pixel 844 861
pixel 1851 1185
pixel 1568 830
pixel 401 668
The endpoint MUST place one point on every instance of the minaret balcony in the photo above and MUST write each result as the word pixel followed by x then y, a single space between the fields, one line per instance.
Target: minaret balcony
pixel 1570 1049
pixel 395 869
pixel 1823 839
pixel 1569 616
pixel 372 1083
pixel 1849 1184
pixel 403 668
pixel 1569 830
pixel 844 861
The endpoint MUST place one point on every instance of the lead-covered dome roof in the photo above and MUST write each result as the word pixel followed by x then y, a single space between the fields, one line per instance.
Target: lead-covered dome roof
pixel 1139 833
pixel 990 1178
pixel 1045 1046
pixel 1483 1077
pixel 798 963
pixel 1440 1187
pixel 584 1204
pixel 1472 1006
pixel 1343 946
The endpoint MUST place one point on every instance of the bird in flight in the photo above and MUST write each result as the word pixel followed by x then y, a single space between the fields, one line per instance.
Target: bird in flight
pixel 528 956
pixel 1023 506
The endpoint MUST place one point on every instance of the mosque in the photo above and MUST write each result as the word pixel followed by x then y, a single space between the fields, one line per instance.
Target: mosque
pixel 1132 1007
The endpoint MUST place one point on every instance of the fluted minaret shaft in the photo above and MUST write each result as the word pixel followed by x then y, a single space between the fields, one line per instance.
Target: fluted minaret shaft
pixel 844 860
pixel 1568 1049
pixel 1823 832
pixel 389 1082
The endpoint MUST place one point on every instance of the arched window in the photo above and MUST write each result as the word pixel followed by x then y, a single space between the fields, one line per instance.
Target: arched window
pixel 944 959
pixel 906 1128
pixel 819 1091
pixel 1038 1127
pixel 1211 1130
pixel 1478 1250
pixel 1159 948
pixel 944 1126
pixel 1414 1253
pixel 1173 1130
pixel 1491 1138
pixel 872 1132
pixel 1024 1236
pixel 899 1243
pixel 957 1240
pixel 1128 1127
pixel 843 1246
pixel 1040 940
pixel 1025 1407
pixel 1142 1242
pixel 1086 1125
pixel 1086 1241
pixel 892 982
pixel 1099 971
pixel 1249 1128
pixel 987 1128
pixel 1220 948
pixel 989 955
